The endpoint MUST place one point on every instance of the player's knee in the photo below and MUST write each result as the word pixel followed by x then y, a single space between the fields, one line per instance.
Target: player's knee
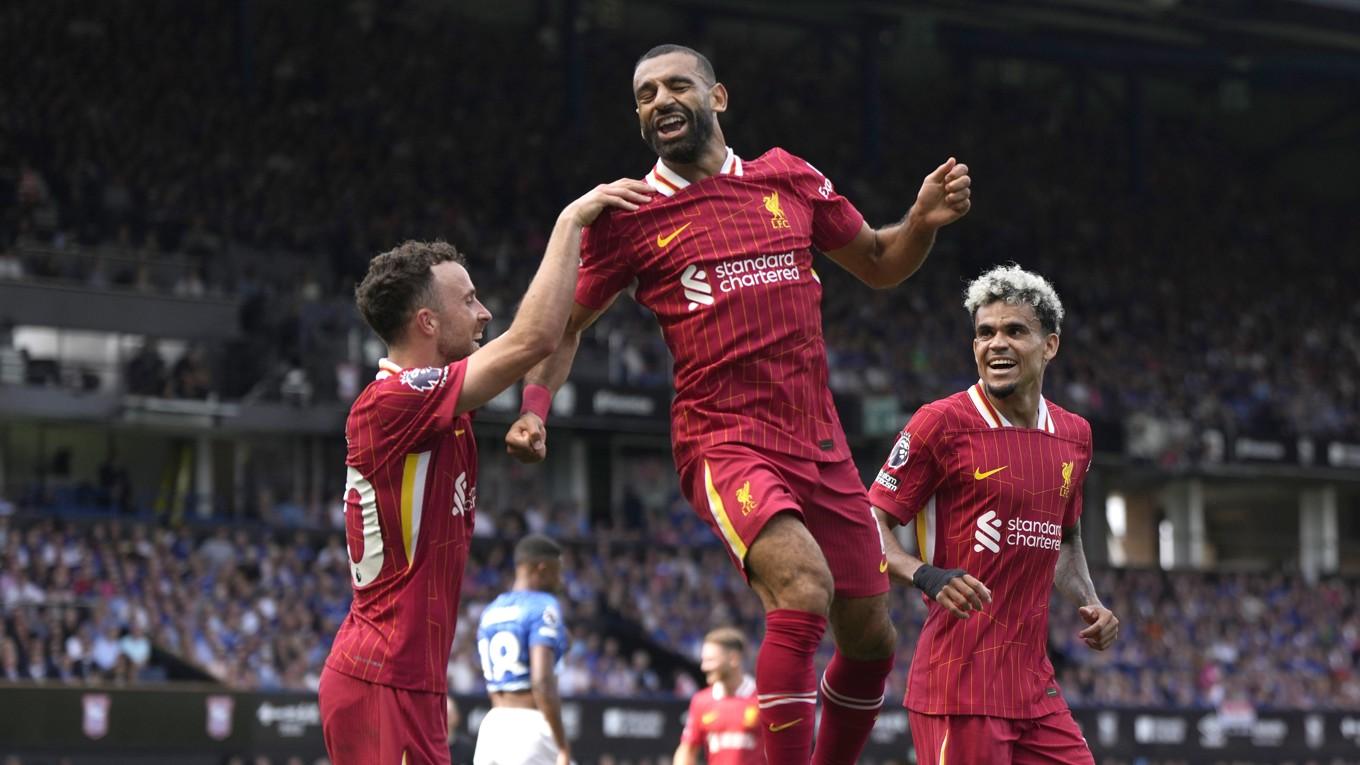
pixel 865 634
pixel 802 587
pixel 877 642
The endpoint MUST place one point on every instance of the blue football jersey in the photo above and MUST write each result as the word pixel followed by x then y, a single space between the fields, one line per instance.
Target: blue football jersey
pixel 511 625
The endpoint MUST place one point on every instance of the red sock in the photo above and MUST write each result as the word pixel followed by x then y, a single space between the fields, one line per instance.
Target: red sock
pixel 786 684
pixel 852 695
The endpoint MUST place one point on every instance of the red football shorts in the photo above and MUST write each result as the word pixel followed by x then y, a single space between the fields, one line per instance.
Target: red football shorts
pixel 737 490
pixel 979 740
pixel 369 724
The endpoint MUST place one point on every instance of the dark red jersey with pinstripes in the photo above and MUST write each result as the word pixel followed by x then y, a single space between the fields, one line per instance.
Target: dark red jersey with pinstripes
pixel 992 500
pixel 410 498
pixel 726 266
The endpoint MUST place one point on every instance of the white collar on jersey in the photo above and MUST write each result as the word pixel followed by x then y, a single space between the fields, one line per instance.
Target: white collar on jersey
pixel 387 368
pixel 745 689
pixel 668 182
pixel 995 419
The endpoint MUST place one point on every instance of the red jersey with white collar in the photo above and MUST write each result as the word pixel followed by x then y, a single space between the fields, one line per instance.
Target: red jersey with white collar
pixel 993 500
pixel 727 727
pixel 410 499
pixel 726 266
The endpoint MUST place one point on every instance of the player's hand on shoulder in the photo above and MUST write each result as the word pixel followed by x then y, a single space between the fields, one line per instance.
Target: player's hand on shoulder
pixel 527 439
pixel 1102 627
pixel 945 195
pixel 625 194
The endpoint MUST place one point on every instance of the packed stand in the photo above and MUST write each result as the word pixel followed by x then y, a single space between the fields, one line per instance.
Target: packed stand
pixel 125 603
pixel 277 185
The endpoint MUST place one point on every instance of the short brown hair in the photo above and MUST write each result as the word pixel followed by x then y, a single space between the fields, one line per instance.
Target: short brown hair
pixel 398 282
pixel 727 637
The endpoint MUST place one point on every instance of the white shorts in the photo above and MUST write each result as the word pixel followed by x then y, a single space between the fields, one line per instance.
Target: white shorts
pixel 511 736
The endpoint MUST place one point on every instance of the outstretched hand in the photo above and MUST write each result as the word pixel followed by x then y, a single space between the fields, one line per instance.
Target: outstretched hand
pixel 945 195
pixel 625 194
pixel 1103 629
pixel 527 439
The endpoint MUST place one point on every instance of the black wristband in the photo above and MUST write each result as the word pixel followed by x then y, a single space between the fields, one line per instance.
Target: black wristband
pixel 931 580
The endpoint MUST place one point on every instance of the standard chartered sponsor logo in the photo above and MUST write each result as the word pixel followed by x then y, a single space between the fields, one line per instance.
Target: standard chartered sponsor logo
pixel 697 289
pixel 988 533
pixel 722 742
pixel 749 272
pixel 1043 535
pixel 734 275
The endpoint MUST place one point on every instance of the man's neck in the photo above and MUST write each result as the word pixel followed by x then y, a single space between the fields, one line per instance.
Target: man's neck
pixel 414 358
pixel 708 164
pixel 731 684
pixel 1021 407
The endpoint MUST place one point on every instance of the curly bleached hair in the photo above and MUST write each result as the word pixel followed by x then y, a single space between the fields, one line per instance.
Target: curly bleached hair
pixel 1014 285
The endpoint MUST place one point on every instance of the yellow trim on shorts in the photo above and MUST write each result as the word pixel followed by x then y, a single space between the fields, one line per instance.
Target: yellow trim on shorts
pixel 719 513
pixel 944 747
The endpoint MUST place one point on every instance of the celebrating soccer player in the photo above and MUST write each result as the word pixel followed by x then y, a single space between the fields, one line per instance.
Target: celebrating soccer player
pixel 723 720
pixel 521 638
pixel 723 257
pixel 993 479
pixel 411 481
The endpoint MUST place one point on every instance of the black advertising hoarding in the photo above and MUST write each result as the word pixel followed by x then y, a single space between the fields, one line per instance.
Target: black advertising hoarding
pixel 194 725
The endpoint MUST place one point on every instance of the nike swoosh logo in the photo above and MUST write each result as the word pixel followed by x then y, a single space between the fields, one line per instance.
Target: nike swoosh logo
pixel 978 475
pixel 662 241
pixel 883 567
pixel 459 432
pixel 784 726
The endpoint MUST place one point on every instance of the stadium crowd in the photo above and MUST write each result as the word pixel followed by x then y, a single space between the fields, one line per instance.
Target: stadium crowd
pixel 276 183
pixel 122 602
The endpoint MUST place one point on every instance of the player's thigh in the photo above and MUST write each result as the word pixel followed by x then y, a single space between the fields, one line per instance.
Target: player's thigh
pixel 421 720
pixel 961 739
pixel 1053 739
pixel 349 718
pixel 509 737
pixel 838 515
pixel 545 748
pixel 743 496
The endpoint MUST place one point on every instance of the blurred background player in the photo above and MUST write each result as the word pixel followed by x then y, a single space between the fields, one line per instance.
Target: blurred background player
pixel 723 259
pixel 461 745
pixel 411 482
pixel 521 639
pixel 993 478
pixel 723 719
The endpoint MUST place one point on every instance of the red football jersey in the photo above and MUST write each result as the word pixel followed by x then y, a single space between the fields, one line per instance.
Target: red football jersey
pixel 727 727
pixel 726 267
pixel 992 500
pixel 410 498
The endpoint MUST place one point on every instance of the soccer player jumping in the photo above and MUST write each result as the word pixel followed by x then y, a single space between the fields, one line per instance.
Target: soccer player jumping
pixel 723 257
pixel 993 479
pixel 411 480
